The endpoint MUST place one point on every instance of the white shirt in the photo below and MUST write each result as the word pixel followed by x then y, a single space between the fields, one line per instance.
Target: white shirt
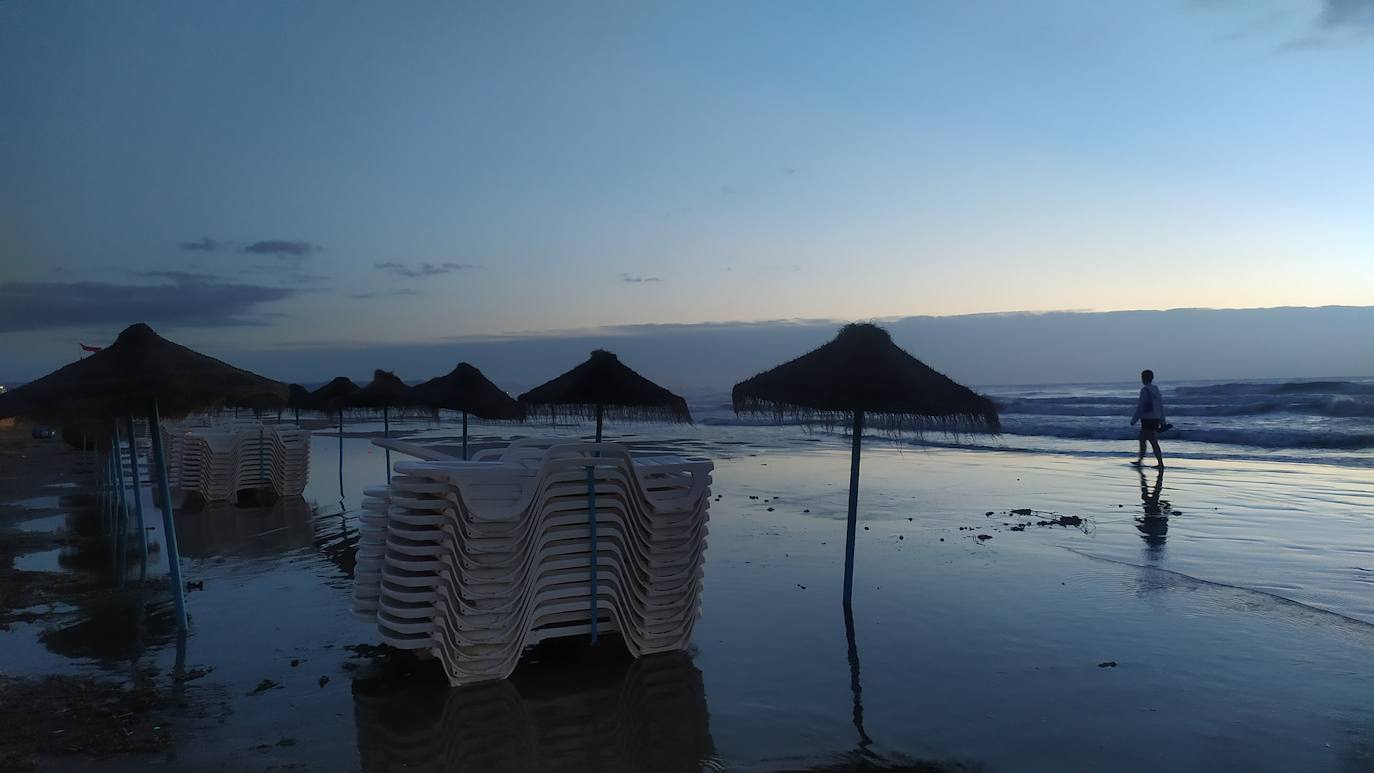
pixel 1150 405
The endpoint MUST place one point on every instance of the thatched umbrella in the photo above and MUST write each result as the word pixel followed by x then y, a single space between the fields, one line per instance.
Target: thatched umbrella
pixel 862 378
pixel 297 399
pixel 140 374
pixel 331 398
pixel 383 393
pixel 602 385
pixel 466 389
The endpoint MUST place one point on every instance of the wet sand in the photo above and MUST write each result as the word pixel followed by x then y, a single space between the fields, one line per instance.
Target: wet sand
pixel 1237 638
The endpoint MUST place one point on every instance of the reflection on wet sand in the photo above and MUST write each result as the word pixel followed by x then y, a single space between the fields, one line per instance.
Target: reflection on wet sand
pixel 1153 525
pixel 222 528
pixel 612 714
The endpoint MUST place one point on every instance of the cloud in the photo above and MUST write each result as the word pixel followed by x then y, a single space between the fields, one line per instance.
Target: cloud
pixel 203 244
pixel 1347 13
pixel 282 248
pixel 637 279
pixel 423 269
pixel 404 291
pixel 185 300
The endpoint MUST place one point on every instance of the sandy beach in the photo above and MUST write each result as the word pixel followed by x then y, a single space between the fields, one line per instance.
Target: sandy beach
pixel 1236 639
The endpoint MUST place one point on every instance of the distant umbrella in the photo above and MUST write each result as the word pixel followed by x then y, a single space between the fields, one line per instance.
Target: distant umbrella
pixel 384 393
pixel 600 386
pixel 465 389
pixel 604 386
pixel 143 374
pixel 297 399
pixel 862 378
pixel 333 398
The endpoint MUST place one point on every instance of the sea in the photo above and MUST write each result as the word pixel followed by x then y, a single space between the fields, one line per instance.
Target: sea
pixel 1323 421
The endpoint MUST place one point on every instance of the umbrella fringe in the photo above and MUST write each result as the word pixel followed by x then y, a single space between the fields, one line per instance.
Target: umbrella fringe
pixel 957 423
pixel 674 414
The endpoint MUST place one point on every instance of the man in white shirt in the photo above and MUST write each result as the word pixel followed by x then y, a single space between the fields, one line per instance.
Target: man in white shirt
pixel 1149 411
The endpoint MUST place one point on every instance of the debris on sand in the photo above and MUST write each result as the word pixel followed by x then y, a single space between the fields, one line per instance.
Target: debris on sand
pixel 1020 511
pixel 984 537
pixel 264 686
pixel 192 674
pixel 1062 520
pixel 1107 664
pixel 324 680
pixel 70 715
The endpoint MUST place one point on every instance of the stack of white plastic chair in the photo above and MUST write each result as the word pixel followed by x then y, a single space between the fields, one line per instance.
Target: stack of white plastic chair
pixel 481 559
pixel 217 462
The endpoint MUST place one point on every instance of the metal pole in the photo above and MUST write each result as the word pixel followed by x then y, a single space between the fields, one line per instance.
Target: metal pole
pixel 169 528
pixel 598 423
pixel 853 507
pixel 386 433
pixel 138 497
pixel 122 516
pixel 341 491
pixel 465 436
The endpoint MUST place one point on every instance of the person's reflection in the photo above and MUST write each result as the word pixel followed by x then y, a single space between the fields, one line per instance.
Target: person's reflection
pixel 1153 525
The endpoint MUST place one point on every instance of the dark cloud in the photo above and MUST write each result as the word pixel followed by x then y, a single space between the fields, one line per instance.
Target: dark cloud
pixel 423 269
pixel 282 248
pixel 203 244
pixel 637 279
pixel 185 299
pixel 1348 13
pixel 384 294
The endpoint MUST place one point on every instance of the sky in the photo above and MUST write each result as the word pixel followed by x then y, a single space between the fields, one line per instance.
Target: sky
pixel 321 186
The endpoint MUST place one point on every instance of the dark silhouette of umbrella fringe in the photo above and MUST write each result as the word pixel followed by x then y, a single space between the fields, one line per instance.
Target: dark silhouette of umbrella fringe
pixel 331 397
pixel 604 386
pixel 863 379
pixel 600 385
pixel 863 370
pixel 465 389
pixel 138 367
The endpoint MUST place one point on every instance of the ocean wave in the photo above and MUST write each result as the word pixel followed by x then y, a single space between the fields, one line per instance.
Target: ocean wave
pixel 1326 405
pixel 1260 437
pixel 1280 388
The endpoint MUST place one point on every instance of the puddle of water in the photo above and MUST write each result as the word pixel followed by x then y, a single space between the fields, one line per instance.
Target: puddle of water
pixel 43 525
pixel 42 561
pixel 38 503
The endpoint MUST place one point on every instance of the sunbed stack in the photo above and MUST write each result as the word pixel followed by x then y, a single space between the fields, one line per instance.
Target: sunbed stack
pixel 481 559
pixel 220 461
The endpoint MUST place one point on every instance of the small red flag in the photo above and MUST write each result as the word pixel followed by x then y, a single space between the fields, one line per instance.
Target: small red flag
pixel 86 348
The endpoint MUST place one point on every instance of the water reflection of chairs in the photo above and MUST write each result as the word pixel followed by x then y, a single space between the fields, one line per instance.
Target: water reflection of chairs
pixel 221 528
pixel 646 714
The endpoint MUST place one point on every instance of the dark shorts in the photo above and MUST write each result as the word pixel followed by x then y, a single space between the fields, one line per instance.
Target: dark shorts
pixel 1149 425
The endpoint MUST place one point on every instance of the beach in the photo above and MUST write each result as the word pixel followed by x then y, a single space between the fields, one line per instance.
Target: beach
pixel 1237 637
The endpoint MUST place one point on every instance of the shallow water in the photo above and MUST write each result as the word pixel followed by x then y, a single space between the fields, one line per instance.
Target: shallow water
pixel 1240 633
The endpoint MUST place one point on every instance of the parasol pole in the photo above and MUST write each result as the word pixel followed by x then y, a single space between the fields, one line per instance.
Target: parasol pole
pixel 138 497
pixel 169 528
pixel 341 491
pixel 591 523
pixel 853 506
pixel 386 433
pixel 122 516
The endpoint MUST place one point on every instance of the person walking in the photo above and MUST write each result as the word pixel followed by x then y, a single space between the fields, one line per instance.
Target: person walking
pixel 1149 411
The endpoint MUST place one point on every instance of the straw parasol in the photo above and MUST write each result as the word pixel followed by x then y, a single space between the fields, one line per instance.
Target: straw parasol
pixel 604 386
pixel 601 385
pixel 143 374
pixel 862 378
pixel 465 389
pixel 141 366
pixel 331 398
pixel 297 399
pixel 383 393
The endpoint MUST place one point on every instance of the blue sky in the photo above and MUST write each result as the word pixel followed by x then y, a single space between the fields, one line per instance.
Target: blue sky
pixel 261 175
